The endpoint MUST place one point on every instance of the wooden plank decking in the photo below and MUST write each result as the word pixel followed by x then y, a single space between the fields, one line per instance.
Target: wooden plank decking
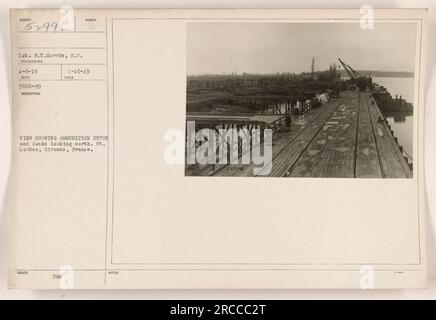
pixel 345 138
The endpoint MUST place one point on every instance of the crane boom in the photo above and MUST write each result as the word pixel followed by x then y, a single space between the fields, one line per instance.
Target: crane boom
pixel 347 69
pixel 356 74
pixel 356 78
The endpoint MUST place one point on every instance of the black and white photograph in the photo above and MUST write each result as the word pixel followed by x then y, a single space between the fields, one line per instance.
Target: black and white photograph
pixel 280 99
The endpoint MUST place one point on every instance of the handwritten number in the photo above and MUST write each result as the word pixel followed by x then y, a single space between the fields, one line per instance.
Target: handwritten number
pixel 45 27
pixel 28 26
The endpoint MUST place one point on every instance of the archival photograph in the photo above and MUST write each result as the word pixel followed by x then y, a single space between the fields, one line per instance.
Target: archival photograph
pixel 271 99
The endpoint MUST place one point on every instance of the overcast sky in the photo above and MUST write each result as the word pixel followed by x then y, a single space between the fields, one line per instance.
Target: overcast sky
pixel 289 47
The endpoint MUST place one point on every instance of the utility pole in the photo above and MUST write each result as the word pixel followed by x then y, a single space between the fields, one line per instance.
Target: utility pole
pixel 312 68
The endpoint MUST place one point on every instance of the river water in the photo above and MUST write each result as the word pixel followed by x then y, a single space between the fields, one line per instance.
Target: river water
pixel 401 125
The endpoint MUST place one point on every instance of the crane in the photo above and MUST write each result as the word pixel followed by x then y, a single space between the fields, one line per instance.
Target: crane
pixel 351 73
pixel 356 74
pixel 356 78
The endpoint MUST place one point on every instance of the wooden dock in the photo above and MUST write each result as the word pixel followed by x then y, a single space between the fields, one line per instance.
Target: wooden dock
pixel 345 138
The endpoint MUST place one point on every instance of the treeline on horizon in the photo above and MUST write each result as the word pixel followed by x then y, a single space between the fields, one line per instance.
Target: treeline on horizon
pixel 342 72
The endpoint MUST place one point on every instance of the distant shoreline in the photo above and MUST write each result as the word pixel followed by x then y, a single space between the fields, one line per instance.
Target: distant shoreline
pixel 383 74
pixel 390 76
